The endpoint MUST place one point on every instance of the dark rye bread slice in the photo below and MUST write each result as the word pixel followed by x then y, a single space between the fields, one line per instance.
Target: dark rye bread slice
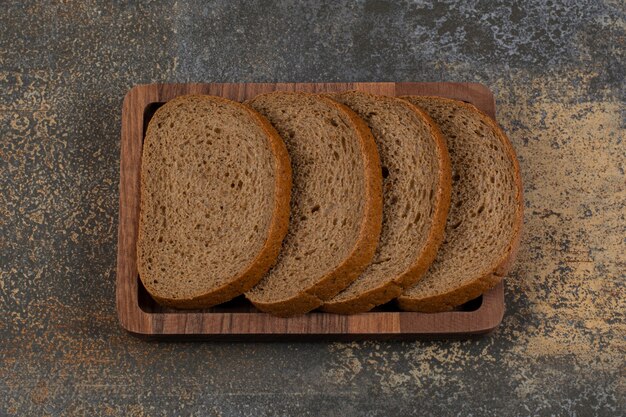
pixel 483 228
pixel 215 190
pixel 336 205
pixel 416 198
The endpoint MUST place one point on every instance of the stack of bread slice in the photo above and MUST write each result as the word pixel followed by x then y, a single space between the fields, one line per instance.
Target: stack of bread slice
pixel 339 202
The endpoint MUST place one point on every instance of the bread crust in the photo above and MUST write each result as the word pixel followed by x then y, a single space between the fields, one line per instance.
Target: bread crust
pixel 490 277
pixel 252 273
pixel 365 247
pixel 394 286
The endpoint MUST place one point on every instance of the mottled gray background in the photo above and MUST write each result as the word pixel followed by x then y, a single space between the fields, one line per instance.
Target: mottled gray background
pixel 557 69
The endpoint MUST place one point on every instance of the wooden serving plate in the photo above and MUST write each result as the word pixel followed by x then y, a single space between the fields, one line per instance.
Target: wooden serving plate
pixel 238 319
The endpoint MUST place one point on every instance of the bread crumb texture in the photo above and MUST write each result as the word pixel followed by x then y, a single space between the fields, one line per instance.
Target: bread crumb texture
pixel 207 196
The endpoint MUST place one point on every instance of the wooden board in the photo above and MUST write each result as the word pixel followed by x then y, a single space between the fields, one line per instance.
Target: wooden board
pixel 239 320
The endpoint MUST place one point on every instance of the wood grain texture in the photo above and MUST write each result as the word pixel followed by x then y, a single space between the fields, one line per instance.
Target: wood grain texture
pixel 238 320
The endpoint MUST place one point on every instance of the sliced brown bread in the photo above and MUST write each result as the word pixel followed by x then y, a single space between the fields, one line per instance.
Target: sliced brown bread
pixel 485 219
pixel 416 198
pixel 215 190
pixel 336 205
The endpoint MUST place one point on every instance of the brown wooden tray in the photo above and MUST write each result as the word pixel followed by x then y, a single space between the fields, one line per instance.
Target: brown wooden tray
pixel 238 319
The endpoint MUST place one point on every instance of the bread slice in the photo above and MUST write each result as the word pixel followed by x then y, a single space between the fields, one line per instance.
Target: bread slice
pixel 336 208
pixel 215 190
pixel 416 198
pixel 483 229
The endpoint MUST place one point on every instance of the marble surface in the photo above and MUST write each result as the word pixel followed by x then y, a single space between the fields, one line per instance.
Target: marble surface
pixel 558 71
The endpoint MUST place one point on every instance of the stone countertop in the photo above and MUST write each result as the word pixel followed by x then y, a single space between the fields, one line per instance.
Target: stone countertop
pixel 558 71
